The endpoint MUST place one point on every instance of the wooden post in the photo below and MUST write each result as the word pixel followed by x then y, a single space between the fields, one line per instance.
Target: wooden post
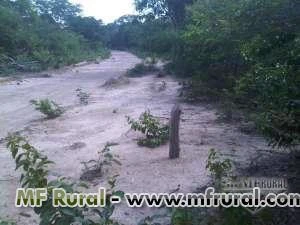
pixel 174 150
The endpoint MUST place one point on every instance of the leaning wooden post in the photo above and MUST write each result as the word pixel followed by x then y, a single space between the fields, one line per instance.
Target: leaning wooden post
pixel 174 150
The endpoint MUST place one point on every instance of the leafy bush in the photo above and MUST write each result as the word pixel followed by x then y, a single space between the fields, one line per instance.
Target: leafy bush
pixel 282 127
pixel 33 37
pixel 48 108
pixel 96 168
pixel 196 90
pixel 116 82
pixel 242 48
pixel 35 167
pixel 273 92
pixel 156 133
pixel 219 168
pixel 222 216
pixel 141 69
pixel 32 162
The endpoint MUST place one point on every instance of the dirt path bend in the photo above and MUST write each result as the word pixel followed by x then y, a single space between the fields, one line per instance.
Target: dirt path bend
pixel 82 131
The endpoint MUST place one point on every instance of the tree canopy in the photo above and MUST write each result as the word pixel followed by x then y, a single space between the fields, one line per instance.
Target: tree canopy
pixel 238 51
pixel 245 52
pixel 41 33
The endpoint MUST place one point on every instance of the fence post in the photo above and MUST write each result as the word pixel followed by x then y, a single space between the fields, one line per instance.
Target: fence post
pixel 174 148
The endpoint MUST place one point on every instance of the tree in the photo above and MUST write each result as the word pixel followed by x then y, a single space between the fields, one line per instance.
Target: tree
pixel 88 27
pixel 57 10
pixel 35 36
pixel 169 9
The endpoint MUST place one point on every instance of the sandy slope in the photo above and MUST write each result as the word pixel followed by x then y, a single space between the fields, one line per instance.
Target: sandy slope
pixel 142 170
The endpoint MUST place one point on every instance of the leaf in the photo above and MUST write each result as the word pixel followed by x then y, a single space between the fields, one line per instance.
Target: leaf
pixel 119 193
pixel 14 152
pixel 82 184
pixel 68 211
pixel 23 163
pixel 98 212
pixel 19 157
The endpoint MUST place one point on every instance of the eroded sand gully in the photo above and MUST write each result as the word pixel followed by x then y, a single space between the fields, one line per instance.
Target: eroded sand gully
pixel 91 126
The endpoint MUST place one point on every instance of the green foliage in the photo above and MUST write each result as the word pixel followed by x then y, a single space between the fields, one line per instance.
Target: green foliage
pixel 243 48
pixel 141 69
pixel 36 35
pixel 224 216
pixel 156 133
pixel 273 92
pixel 216 166
pixel 173 10
pixel 35 171
pixel 96 168
pixel 208 216
pixel 219 168
pixel 48 108
pixel 57 10
pixel 237 216
pixel 30 160
pixel 182 216
pixel 105 213
pixel 144 35
pixel 227 216
pixel 90 28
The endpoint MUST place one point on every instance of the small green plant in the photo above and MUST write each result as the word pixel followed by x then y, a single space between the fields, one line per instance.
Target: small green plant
pixel 83 96
pixel 218 168
pixel 156 133
pixel 35 172
pixel 96 168
pixel 48 108
pixel 30 160
pixel 106 212
pixel 141 69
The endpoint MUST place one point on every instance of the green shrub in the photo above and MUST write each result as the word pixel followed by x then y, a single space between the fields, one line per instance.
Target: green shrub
pixel 242 48
pixel 48 108
pixel 218 167
pixel 273 93
pixel 196 90
pixel 282 127
pixel 141 69
pixel 182 216
pixel 33 163
pixel 96 168
pixel 34 175
pixel 156 133
pixel 32 40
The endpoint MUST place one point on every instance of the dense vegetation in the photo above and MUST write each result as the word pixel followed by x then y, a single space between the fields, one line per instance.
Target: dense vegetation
pixel 37 34
pixel 240 52
pixel 243 53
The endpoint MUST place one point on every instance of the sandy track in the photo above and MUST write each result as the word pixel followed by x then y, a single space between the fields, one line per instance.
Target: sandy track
pixel 142 170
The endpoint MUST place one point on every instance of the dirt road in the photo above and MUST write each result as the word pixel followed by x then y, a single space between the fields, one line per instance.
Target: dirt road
pixel 82 131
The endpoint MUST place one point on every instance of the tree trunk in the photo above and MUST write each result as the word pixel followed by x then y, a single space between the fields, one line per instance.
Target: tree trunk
pixel 174 150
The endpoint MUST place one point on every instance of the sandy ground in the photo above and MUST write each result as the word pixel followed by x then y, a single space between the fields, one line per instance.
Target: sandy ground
pixel 103 120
